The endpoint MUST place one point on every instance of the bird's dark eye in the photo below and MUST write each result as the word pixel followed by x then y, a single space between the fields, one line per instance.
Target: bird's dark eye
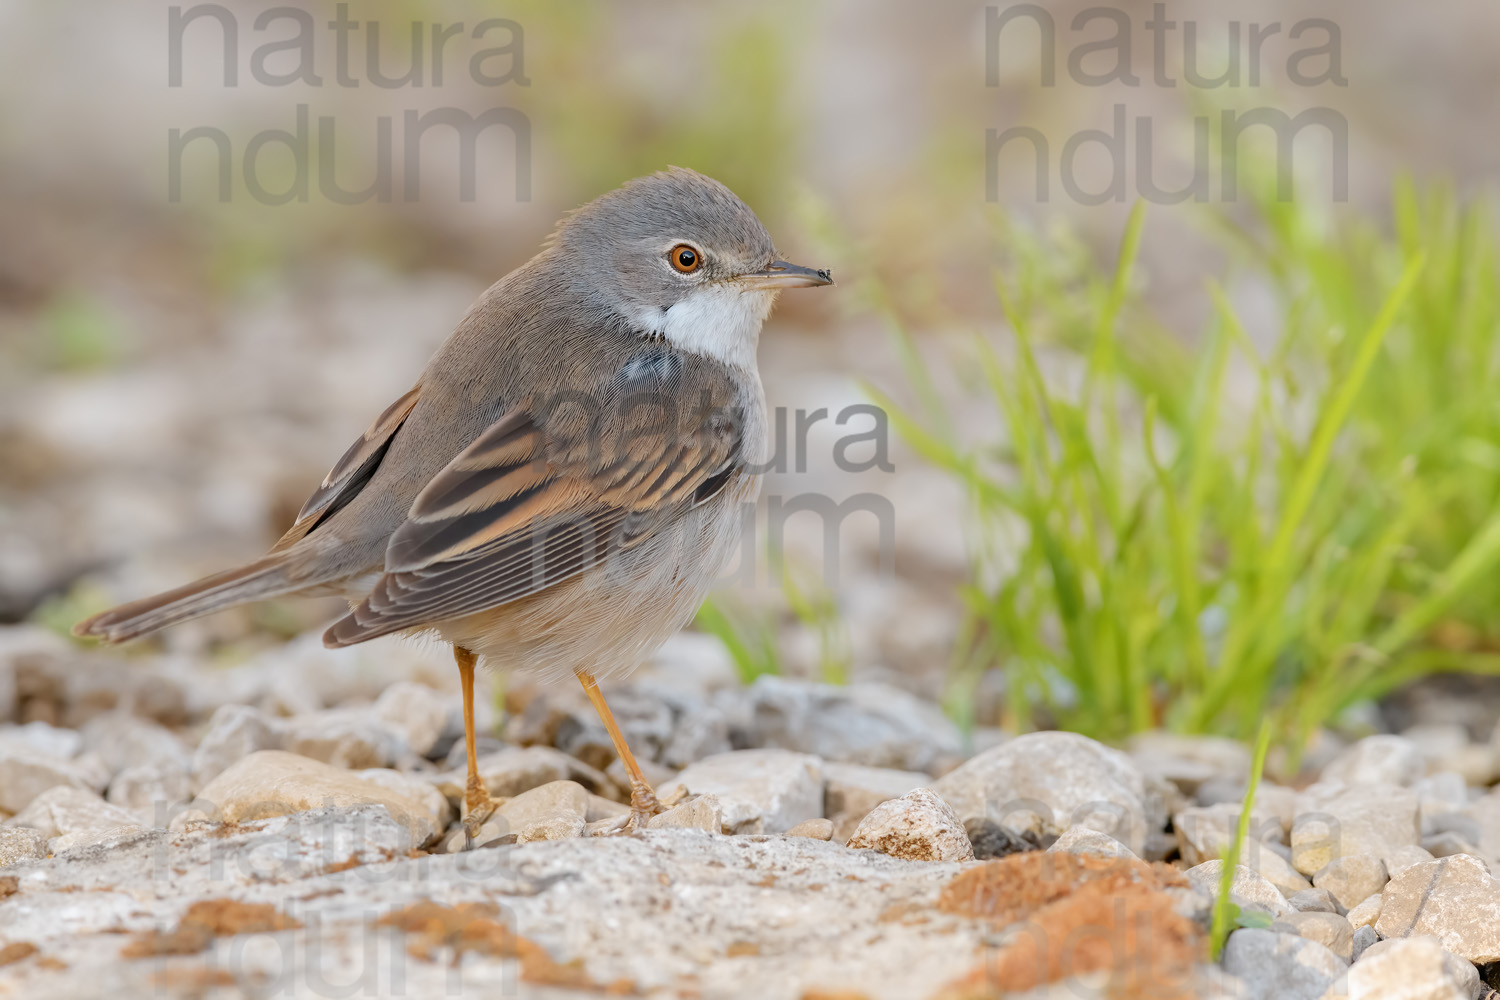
pixel 684 258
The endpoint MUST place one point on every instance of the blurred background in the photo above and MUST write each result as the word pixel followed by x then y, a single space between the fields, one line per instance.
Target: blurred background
pixel 1162 468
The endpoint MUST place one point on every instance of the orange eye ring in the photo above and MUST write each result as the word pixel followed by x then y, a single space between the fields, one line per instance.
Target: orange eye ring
pixel 685 259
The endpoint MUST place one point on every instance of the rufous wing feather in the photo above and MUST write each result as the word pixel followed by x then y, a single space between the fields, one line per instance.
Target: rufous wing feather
pixel 538 498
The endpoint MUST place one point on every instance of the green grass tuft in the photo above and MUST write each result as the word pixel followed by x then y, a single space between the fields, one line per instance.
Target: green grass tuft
pixel 1197 536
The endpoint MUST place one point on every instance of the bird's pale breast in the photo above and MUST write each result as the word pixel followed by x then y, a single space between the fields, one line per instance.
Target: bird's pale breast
pixel 609 618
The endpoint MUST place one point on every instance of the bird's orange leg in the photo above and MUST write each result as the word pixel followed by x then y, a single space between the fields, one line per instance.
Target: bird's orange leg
pixel 477 802
pixel 643 804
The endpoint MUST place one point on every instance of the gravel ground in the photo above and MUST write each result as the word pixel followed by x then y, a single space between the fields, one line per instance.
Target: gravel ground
pixel 288 826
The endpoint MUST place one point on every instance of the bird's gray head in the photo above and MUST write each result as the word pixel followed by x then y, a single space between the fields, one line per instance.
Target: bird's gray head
pixel 678 254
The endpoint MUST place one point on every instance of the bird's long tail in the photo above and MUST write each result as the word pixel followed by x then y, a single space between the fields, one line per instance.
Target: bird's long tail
pixel 257 581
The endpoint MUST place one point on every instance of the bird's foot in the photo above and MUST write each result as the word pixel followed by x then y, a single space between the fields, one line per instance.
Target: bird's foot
pixel 478 807
pixel 643 805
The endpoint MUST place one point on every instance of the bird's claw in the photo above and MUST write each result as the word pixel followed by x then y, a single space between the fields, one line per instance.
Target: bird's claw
pixel 478 808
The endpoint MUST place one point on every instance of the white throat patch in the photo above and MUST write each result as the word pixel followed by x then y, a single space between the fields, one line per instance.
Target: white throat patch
pixel 718 321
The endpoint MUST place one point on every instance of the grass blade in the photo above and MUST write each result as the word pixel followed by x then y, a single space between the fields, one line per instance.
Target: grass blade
pixel 1225 911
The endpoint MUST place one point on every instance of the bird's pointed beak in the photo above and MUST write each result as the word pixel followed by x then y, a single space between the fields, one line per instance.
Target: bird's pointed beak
pixel 783 275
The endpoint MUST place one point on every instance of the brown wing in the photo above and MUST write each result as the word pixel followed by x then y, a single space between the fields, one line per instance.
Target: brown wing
pixel 539 497
pixel 350 473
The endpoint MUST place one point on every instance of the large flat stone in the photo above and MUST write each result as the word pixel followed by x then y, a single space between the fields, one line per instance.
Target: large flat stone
pixel 1276 966
pixel 72 817
pixel 1045 783
pixel 759 791
pixel 670 911
pixel 1250 889
pixel 26 773
pixel 276 783
pixel 1455 899
pixel 1409 969
pixel 1334 821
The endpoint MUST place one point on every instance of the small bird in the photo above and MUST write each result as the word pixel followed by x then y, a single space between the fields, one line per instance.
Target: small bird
pixel 564 481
